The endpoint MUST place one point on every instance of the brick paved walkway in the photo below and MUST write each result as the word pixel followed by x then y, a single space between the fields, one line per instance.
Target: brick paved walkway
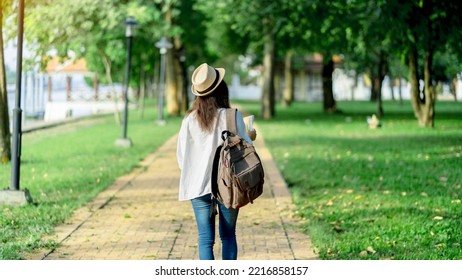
pixel 139 217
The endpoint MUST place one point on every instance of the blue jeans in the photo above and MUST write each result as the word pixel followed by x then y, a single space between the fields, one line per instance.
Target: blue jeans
pixel 206 228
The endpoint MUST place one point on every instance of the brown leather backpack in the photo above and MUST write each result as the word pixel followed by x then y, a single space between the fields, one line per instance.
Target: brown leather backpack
pixel 238 175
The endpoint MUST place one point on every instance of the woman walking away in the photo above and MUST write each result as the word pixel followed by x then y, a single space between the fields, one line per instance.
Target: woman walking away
pixel 199 137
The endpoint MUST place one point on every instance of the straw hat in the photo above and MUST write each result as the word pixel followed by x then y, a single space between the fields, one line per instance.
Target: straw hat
pixel 205 79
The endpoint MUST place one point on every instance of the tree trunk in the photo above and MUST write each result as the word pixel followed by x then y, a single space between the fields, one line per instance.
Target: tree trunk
pixel 95 87
pixel 392 87
pixel 454 87
pixel 49 87
pixel 353 87
pixel 5 136
pixel 184 90
pixel 382 71
pixel 329 103
pixel 379 98
pixel 414 81
pixel 142 89
pixel 303 89
pixel 424 107
pixel 268 96
pixel 428 115
pixel 184 102
pixel 107 66
pixel 68 88
pixel 288 95
pixel 171 86
pixel 374 88
pixel 278 91
pixel 181 74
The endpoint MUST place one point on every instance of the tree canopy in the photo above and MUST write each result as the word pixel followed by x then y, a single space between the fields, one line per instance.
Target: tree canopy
pixel 417 40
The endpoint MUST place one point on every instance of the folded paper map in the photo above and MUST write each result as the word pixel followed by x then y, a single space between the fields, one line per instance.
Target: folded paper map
pixel 249 122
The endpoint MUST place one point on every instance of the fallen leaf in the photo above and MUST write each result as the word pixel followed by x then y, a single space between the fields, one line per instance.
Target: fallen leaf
pixel 363 254
pixel 371 250
pixel 423 194
pixel 338 229
pixel 455 201
pixel 437 218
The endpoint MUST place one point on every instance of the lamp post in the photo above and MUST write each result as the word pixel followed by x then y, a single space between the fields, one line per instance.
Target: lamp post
pixel 14 196
pixel 163 45
pixel 129 24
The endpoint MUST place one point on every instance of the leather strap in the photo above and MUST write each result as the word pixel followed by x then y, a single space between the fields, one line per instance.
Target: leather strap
pixel 231 120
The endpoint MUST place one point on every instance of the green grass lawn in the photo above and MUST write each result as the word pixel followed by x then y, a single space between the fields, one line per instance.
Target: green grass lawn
pixel 65 167
pixel 388 193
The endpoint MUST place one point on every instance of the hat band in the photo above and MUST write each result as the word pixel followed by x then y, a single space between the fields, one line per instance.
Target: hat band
pixel 217 77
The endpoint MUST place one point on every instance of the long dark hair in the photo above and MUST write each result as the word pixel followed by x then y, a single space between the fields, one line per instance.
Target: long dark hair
pixel 206 106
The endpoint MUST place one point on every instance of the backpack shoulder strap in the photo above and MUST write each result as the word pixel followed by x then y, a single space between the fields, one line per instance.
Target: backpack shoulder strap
pixel 231 120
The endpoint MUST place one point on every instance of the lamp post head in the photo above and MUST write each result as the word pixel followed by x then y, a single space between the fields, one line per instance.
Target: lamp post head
pixel 163 45
pixel 130 23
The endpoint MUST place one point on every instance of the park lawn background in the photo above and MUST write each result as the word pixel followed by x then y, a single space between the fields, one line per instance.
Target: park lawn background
pixel 388 193
pixel 66 166
pixel 391 193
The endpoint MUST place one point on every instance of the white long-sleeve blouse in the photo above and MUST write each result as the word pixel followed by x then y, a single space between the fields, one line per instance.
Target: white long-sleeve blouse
pixel 195 151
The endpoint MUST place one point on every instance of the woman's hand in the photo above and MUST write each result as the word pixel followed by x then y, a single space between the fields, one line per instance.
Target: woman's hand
pixel 252 134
